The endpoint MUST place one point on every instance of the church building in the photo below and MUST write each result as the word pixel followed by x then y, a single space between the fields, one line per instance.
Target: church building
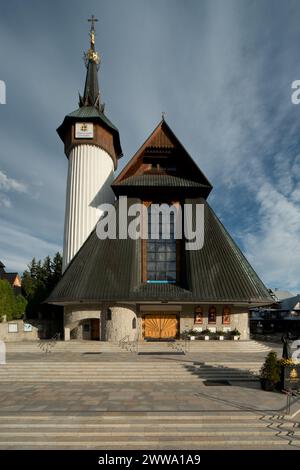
pixel 148 288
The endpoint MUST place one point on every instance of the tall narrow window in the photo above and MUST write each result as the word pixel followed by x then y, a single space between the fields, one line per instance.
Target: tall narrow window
pixel 108 314
pixel 161 252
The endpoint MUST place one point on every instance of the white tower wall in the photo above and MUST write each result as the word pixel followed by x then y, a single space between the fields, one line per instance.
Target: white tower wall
pixel 90 174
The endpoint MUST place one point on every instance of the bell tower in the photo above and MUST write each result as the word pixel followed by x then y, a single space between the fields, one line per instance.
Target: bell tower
pixel 92 146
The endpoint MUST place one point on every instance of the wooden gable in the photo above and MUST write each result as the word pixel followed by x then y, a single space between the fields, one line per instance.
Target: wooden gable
pixel 163 154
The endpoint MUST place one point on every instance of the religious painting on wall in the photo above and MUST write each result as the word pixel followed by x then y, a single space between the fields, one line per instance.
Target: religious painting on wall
pixel 198 320
pixel 226 315
pixel 212 314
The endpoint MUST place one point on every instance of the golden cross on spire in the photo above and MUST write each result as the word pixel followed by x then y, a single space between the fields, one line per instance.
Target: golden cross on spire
pixel 92 20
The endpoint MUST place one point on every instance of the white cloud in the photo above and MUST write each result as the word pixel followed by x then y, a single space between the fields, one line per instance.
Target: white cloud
pixel 274 249
pixel 10 184
pixel 4 201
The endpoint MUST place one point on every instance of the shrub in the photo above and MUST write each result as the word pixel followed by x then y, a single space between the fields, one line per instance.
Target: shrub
pixel 185 334
pixel 271 368
pixel 235 332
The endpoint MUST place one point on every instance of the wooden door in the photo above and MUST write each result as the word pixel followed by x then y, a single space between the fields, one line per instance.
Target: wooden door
pixel 160 326
pixel 168 326
pixel 95 333
pixel 152 326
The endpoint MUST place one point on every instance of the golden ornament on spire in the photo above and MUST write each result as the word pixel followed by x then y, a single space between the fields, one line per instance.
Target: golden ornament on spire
pixel 92 35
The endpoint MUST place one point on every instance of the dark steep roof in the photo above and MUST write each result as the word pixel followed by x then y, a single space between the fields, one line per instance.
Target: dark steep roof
pixel 289 304
pixel 110 270
pixel 91 94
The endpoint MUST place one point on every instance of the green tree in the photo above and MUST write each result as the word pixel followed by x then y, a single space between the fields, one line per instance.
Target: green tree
pixel 38 281
pixel 20 304
pixel 56 269
pixel 10 305
pixel 6 299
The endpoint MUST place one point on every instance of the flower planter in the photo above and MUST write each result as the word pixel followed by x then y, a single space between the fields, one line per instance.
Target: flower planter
pixel 206 338
pixel 267 385
pixel 192 338
pixel 221 338
pixel 235 338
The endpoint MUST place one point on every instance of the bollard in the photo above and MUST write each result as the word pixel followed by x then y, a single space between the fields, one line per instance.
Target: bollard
pixel 2 352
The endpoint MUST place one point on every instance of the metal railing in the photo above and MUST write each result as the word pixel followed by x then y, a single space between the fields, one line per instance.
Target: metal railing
pixel 289 395
pixel 123 341
pixel 128 345
pixel 180 346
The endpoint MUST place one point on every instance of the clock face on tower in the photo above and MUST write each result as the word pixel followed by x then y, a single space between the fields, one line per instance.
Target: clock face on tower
pixel 84 130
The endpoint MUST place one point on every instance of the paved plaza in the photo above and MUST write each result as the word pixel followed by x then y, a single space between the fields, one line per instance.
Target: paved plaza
pixel 94 395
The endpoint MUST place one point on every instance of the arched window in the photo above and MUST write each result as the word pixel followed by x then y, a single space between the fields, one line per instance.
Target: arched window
pixel 108 314
pixel 134 323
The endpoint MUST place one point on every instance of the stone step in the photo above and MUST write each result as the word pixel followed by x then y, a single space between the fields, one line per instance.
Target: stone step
pixel 134 363
pixel 156 444
pixel 144 426
pixel 119 431
pixel 88 373
pixel 140 367
pixel 138 434
pixel 153 416
pixel 124 372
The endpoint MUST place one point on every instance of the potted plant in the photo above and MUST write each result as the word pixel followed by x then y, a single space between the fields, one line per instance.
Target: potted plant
pixel 235 334
pixel 194 334
pixel 220 335
pixel 206 334
pixel 270 372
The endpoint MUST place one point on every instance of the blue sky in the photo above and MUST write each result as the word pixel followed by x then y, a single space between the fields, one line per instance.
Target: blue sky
pixel 220 69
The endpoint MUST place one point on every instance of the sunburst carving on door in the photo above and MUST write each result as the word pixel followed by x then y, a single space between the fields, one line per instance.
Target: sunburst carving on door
pixel 160 326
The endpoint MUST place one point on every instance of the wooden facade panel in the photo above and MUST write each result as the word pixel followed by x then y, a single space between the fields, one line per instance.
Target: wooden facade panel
pixel 102 138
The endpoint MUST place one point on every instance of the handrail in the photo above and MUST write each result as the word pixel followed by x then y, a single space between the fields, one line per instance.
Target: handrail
pixel 123 341
pixel 131 346
pixel 177 346
pixel 289 394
